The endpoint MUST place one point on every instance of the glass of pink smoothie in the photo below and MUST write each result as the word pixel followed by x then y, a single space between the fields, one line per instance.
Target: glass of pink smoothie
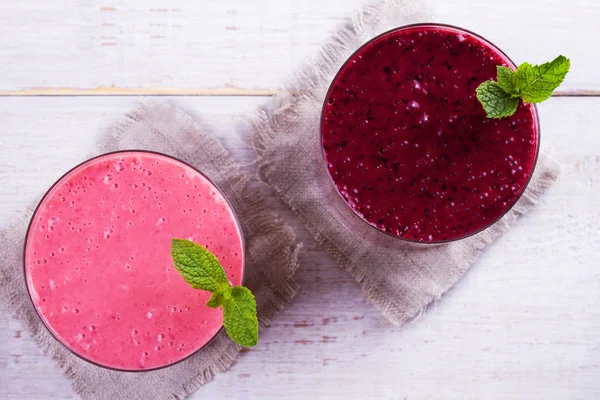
pixel 98 265
pixel 407 144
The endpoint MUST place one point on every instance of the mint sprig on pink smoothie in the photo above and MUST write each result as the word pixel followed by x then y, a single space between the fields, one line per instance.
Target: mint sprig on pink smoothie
pixel 530 83
pixel 202 270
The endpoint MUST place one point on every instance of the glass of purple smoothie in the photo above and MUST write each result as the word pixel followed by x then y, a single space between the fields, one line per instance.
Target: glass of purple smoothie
pixel 407 144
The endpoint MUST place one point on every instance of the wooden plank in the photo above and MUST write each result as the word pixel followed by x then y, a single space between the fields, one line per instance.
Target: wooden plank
pixel 155 91
pixel 237 45
pixel 523 323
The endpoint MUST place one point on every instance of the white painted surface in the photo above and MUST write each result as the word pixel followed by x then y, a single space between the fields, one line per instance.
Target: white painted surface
pixel 249 44
pixel 523 324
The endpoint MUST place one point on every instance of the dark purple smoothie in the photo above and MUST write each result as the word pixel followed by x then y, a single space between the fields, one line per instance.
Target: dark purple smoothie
pixel 408 145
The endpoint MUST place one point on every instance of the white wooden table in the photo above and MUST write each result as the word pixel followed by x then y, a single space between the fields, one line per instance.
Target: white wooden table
pixel 524 323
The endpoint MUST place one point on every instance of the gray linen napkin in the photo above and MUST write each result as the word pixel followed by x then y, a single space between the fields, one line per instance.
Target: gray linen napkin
pixel 271 262
pixel 400 278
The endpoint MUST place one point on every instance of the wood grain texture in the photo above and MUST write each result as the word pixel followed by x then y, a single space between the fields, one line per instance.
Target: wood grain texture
pixel 153 91
pixel 522 324
pixel 254 45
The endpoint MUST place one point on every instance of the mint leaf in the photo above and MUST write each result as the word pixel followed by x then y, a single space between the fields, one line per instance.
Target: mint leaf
pixel 505 79
pixel 530 83
pixel 219 297
pixel 202 270
pixel 495 101
pixel 198 266
pixel 535 83
pixel 239 316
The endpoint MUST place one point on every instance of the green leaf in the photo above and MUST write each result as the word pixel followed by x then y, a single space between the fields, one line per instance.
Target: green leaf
pixel 531 83
pixel 495 101
pixel 535 83
pixel 219 297
pixel 239 317
pixel 202 270
pixel 505 79
pixel 198 266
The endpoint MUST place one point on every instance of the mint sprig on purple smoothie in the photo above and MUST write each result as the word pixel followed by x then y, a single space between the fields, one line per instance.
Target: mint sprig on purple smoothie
pixel 202 270
pixel 530 83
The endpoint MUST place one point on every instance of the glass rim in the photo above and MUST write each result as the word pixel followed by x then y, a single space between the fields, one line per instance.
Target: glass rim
pixel 63 176
pixel 534 111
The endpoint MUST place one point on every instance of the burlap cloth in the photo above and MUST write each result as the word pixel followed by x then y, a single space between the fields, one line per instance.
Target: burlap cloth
pixel 400 278
pixel 271 261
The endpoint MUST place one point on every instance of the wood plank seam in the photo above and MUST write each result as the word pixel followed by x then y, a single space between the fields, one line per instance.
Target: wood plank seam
pixel 177 91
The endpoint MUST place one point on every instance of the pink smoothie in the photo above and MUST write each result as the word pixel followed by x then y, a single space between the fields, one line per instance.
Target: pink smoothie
pixel 98 263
